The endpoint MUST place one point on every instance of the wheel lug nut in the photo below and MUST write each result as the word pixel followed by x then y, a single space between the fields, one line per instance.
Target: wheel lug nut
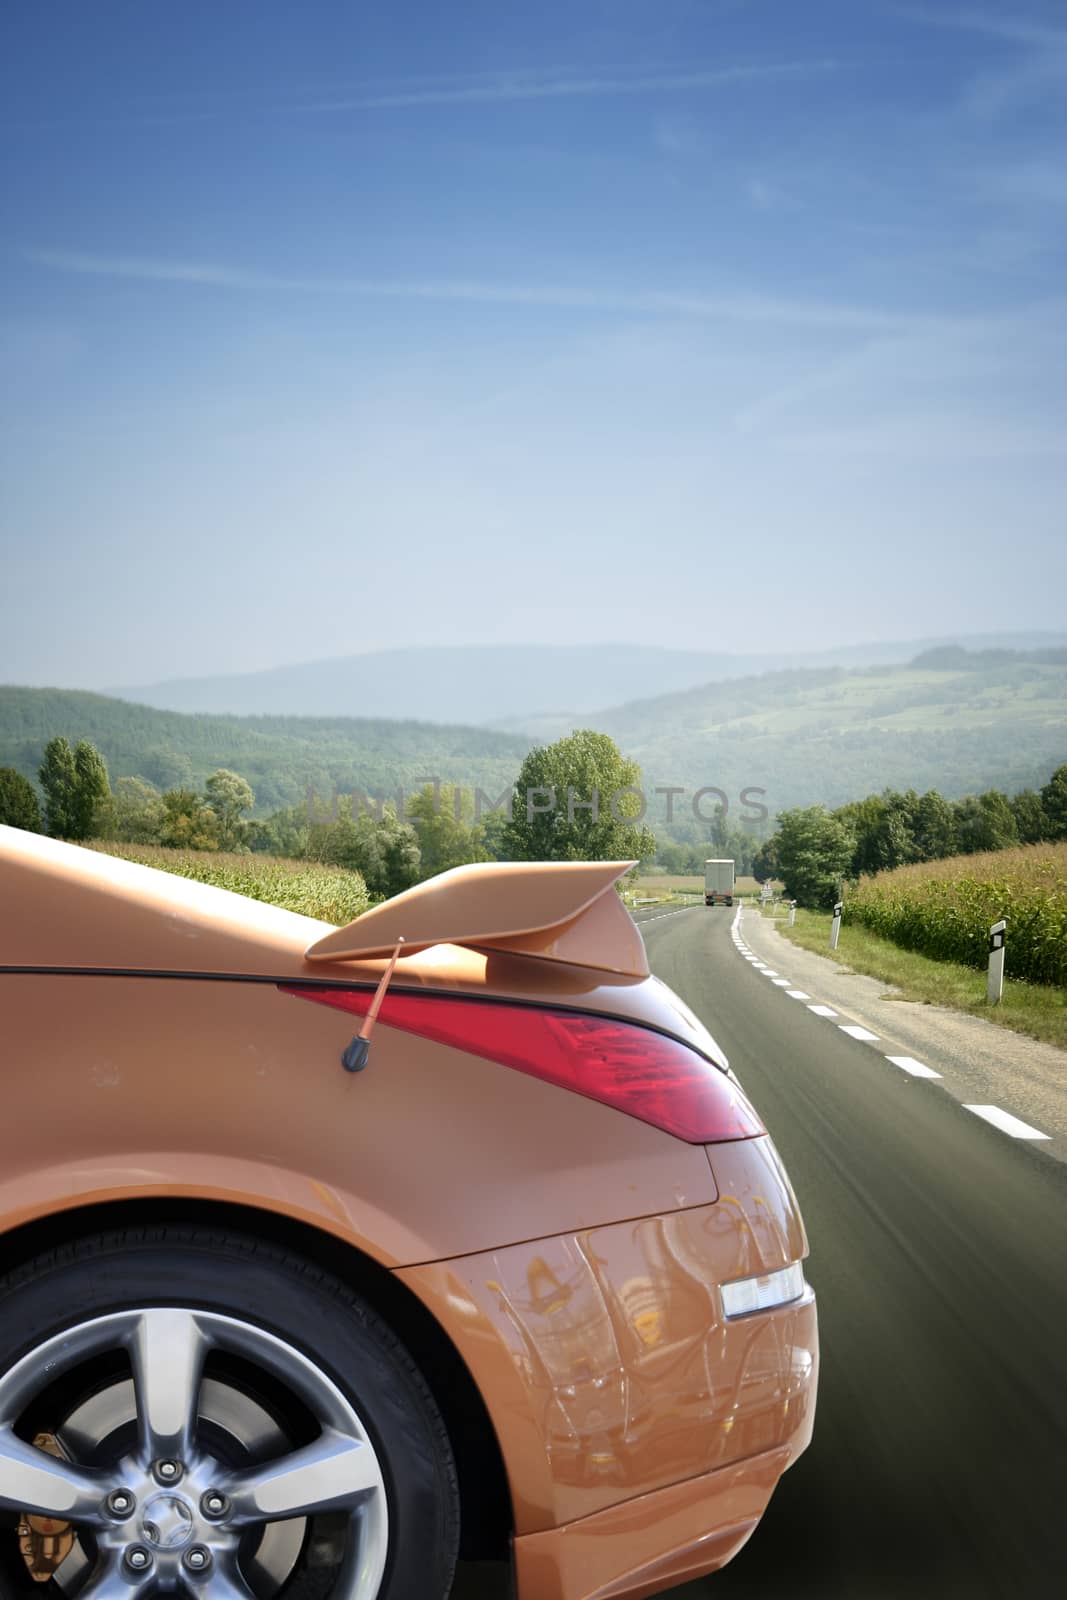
pixel 214 1504
pixel 121 1503
pixel 198 1558
pixel 168 1471
pixel 138 1559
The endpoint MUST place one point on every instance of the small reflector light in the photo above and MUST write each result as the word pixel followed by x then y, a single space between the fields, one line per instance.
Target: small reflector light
pixel 648 1075
pixel 740 1299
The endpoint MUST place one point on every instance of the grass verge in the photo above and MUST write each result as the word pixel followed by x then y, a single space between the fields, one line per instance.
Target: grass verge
pixel 1039 1010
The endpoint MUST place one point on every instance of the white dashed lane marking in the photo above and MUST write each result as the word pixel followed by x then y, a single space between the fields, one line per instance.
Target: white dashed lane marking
pixel 1007 1123
pixel 918 1069
pixel 1003 1120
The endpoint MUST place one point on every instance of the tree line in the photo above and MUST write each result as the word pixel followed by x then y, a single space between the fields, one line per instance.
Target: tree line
pixel 815 850
pixel 79 803
pixel 438 829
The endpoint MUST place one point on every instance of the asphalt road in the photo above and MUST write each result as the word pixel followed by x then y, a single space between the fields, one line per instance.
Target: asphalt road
pixel 939 1256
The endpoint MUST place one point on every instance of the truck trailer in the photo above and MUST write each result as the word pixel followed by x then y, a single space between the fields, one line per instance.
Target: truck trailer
pixel 718 883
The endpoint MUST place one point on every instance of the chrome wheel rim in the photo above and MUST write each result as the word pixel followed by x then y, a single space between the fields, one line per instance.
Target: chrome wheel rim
pixel 181 1477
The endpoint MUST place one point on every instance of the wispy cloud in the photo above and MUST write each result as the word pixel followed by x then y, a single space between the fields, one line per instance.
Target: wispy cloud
pixel 997 24
pixel 647 302
pixel 1038 69
pixel 518 86
pixel 501 87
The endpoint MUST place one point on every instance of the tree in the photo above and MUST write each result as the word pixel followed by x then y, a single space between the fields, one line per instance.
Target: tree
pixel 188 821
pixel 401 855
pixel 58 780
pixel 678 860
pixel 18 801
pixel 765 861
pixel 935 827
pixel 1054 804
pixel 441 816
pixel 884 827
pixel 136 812
pixel 893 843
pixel 283 833
pixel 494 829
pixel 75 786
pixel 229 796
pixel 814 855
pixel 865 819
pixel 574 801
pixel 385 851
pixel 742 845
pixel 1030 820
pixel 985 822
pixel 91 788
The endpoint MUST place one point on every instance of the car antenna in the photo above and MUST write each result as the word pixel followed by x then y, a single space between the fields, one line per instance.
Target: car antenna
pixel 357 1052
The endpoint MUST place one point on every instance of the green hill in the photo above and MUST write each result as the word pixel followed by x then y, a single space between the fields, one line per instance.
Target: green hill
pixel 956 721
pixel 282 757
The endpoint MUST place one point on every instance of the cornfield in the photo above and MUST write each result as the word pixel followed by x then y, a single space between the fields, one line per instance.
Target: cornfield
pixel 331 894
pixel 945 909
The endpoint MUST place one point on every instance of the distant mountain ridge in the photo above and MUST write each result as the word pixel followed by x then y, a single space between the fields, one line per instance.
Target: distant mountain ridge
pixel 512 685
pixel 954 720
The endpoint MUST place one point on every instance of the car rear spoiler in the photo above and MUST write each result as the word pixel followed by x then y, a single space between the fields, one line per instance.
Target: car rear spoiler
pixel 557 910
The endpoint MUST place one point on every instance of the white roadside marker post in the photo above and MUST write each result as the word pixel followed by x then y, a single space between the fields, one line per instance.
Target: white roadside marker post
pixel 996 961
pixel 835 926
pixel 792 912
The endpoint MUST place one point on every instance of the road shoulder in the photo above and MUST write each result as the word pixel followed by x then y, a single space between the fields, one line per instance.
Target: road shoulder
pixel 978 1063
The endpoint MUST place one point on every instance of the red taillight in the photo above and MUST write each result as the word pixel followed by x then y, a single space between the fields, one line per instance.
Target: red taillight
pixel 646 1074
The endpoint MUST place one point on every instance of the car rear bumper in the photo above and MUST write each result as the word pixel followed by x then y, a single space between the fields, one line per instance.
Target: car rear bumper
pixel 644 1546
pixel 612 1377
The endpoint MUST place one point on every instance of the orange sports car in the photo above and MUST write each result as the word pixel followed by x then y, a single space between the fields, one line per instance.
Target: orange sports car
pixel 327 1255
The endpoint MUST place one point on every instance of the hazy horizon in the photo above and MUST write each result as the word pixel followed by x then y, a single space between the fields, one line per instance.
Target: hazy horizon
pixel 328 331
pixel 1022 640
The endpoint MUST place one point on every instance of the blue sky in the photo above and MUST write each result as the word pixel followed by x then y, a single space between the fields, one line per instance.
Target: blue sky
pixel 328 327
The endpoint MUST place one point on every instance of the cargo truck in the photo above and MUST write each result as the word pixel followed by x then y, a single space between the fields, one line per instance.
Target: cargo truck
pixel 718 883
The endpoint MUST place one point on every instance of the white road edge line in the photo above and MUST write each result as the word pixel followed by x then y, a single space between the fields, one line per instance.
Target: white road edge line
pixel 997 1118
pixel 918 1069
pixel 1007 1123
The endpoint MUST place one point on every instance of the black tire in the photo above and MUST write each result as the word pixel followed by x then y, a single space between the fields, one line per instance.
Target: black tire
pixel 242 1277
